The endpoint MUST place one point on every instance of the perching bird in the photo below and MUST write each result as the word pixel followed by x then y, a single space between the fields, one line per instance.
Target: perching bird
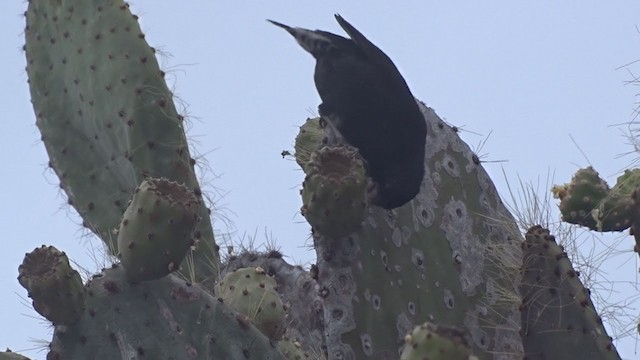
pixel 366 99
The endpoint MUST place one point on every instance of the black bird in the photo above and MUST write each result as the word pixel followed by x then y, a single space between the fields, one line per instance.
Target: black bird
pixel 366 99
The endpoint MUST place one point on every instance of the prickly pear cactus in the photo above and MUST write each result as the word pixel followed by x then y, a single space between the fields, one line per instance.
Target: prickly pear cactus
pixel 157 228
pixel 10 355
pixel 56 289
pixel 429 341
pixel 253 293
pixel 588 201
pixel 106 115
pixel 334 191
pixel 559 320
pixel 451 256
pixel 167 318
pixel 292 350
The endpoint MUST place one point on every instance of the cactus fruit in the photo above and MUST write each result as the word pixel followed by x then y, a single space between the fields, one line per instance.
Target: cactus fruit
pixel 436 342
pixel 106 115
pixel 157 229
pixel 309 138
pixel 291 349
pixel 252 292
pixel 56 289
pixel 334 191
pixel 166 318
pixel 559 320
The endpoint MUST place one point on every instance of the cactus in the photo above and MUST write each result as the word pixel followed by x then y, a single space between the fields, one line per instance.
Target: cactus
pixel 559 320
pixel 167 318
pixel 10 355
pixel 452 256
pixel 588 201
pixel 56 289
pixel 106 115
pixel 291 350
pixel 333 192
pixel 429 341
pixel 252 292
pixel 157 229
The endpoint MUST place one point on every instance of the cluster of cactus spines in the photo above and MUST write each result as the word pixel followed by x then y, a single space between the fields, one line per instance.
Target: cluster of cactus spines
pixel 108 123
pixel 253 293
pixel 334 191
pixel 106 115
pixel 436 342
pixel 157 228
pixel 559 320
pixel 10 355
pixel 56 289
pixel 167 318
pixel 588 201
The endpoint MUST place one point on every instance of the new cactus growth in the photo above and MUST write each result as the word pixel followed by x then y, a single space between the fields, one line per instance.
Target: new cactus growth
pixel 436 342
pixel 334 191
pixel 56 289
pixel 157 229
pixel 309 139
pixel 588 201
pixel 252 292
pixel 559 320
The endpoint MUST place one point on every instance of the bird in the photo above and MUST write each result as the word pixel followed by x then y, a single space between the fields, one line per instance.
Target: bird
pixel 368 102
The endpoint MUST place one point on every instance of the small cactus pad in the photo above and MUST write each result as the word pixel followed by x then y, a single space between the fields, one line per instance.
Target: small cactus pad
pixel 291 350
pixel 309 139
pixel 581 196
pixel 56 289
pixel 615 212
pixel 252 292
pixel 435 342
pixel 157 229
pixel 334 191
pixel 558 318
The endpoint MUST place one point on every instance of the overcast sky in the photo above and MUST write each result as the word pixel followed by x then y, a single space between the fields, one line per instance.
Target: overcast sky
pixel 531 74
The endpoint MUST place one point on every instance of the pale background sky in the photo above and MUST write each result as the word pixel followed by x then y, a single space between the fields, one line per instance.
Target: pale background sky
pixel 530 74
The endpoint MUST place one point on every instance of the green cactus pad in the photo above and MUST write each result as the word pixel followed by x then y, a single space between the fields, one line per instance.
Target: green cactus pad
pixel 252 292
pixel 433 342
pixel 106 115
pixel 309 139
pixel 157 229
pixel 166 319
pixel 581 196
pixel 615 212
pixel 291 350
pixel 56 289
pixel 10 355
pixel 334 191
pixel 558 318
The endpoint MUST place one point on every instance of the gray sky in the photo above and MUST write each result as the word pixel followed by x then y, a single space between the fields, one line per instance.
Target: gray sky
pixel 530 73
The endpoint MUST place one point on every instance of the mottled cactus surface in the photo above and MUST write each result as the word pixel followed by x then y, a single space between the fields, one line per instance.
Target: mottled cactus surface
pixel 452 256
